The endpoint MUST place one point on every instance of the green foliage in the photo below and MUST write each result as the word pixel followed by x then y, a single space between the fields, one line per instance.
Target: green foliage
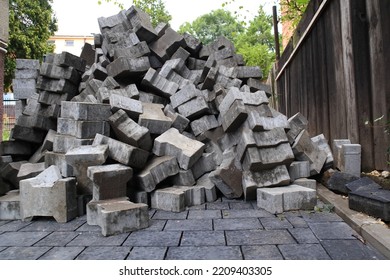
pixel 6 135
pixel 154 8
pixel 210 26
pixel 293 10
pixel 31 24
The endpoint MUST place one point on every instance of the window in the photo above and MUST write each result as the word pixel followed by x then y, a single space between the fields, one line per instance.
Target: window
pixel 69 43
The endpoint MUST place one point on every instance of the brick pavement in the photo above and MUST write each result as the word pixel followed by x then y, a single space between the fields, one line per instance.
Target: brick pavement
pixel 223 230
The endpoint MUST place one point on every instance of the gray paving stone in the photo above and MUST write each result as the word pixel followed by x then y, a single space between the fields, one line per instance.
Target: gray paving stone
pixel 303 235
pixel 204 253
pixel 332 230
pixel 237 224
pixel 21 239
pixel 97 239
pixel 203 238
pixel 2 223
pixel 183 225
pixel 153 239
pixel 259 237
pixel 264 252
pixel 297 221
pixel 3 248
pixel 167 215
pixel 204 214
pixel 148 253
pixel 57 239
pixel 217 206
pixel 350 250
pixel 14 226
pixel 62 253
pixel 23 253
pixel 89 228
pixel 197 207
pixel 245 213
pixel 318 217
pixel 51 225
pixel 303 252
pixel 104 253
pixel 155 225
pixel 275 223
pixel 240 205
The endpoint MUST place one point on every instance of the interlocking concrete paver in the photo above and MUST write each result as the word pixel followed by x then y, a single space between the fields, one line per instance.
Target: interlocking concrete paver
pixel 23 253
pixel 240 205
pixel 275 223
pixel 2 248
pixel 245 213
pixel 259 237
pixel 350 250
pixel 183 225
pixel 14 225
pixel 147 253
pixel 237 224
pixel 263 252
pixel 62 253
pixel 204 214
pixel 297 221
pixel 57 239
pixel 317 217
pixel 144 238
pixel 205 253
pixel 51 225
pixel 303 252
pixel 165 215
pixel 217 206
pixel 3 223
pixel 104 253
pixel 156 225
pixel 89 228
pixel 303 235
pixel 203 238
pixel 21 239
pixel 332 230
pixel 97 239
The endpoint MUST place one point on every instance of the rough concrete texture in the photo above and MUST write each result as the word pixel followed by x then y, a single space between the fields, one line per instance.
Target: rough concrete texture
pixel 80 111
pixel 154 119
pixel 283 199
pixel 10 206
pixel 186 150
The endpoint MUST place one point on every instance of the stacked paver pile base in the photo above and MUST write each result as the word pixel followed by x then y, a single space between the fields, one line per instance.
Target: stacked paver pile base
pixel 161 119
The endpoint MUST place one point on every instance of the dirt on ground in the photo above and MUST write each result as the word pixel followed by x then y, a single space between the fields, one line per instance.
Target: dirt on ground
pixel 381 178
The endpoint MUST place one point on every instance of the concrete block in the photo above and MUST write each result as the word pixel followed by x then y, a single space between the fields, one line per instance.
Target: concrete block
pixel 183 178
pixel 274 177
pixel 256 98
pixel 92 209
pixel 122 152
pixel 338 181
pixel 184 95
pixel 30 170
pixel 85 111
pixel 23 88
pixel 266 158
pixel 158 84
pixel 193 195
pixel 205 164
pixel 194 109
pixel 10 172
pixel 305 150
pixel 130 91
pixel 88 54
pixel 234 117
pixel 137 196
pixel 298 123
pixel 169 199
pixel 307 183
pixel 204 124
pixel 209 188
pixel 141 24
pixel 350 159
pixel 27 64
pixel 257 122
pixel 132 107
pixel 37 121
pixel 154 119
pixel 27 134
pixel 139 50
pixel 167 45
pixel 246 72
pixel 59 160
pixel 299 169
pixel 66 59
pixel 56 199
pixel 26 74
pixel 109 181
pixel 322 143
pixel 157 170
pixel 56 72
pixel 10 206
pixel 56 86
pixel 124 68
pixel 256 85
pixel 228 179
pixel 193 44
pixel 49 98
pixel 178 121
pixel 82 129
pixel 64 143
pixel 110 83
pixel 186 150
pixel 129 132
pixel 195 64
pixel 282 199
pixel 146 97
pixel 15 148
pixel 181 54
pixel 81 158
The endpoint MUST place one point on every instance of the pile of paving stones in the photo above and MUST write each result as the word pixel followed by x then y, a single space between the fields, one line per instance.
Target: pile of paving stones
pixel 157 120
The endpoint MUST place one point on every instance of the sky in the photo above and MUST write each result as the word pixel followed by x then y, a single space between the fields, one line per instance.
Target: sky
pixel 79 17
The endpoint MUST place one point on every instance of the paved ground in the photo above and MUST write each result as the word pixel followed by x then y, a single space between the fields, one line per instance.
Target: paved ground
pixel 224 229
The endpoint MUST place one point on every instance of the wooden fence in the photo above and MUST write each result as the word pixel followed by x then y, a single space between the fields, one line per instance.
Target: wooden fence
pixel 336 71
